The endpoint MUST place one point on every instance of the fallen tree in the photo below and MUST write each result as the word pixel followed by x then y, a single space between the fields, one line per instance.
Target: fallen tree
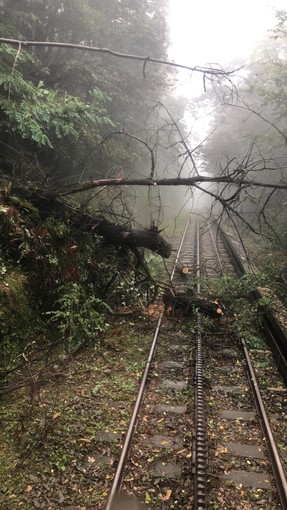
pixel 112 233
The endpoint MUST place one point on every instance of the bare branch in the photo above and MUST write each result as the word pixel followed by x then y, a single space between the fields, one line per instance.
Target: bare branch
pixel 152 170
pixel 247 107
pixel 227 207
pixel 206 71
pixel 181 140
pixel 174 181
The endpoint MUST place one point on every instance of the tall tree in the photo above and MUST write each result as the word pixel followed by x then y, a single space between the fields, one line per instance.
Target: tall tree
pixel 103 91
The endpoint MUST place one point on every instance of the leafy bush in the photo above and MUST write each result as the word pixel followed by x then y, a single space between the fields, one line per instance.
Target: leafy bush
pixel 42 115
pixel 19 323
pixel 236 295
pixel 79 317
pixel 56 279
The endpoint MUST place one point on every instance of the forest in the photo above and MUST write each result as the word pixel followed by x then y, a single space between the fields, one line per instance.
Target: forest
pixel 98 167
pixel 95 150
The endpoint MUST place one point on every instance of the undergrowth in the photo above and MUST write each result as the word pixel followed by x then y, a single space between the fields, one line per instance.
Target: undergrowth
pixel 238 298
pixel 58 281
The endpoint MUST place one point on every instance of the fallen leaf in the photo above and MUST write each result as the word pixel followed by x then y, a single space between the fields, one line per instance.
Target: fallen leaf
pixel 166 496
pixel 29 488
pixel 56 415
pixel 147 497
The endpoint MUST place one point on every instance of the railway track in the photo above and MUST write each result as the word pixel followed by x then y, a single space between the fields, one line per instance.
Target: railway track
pixel 199 436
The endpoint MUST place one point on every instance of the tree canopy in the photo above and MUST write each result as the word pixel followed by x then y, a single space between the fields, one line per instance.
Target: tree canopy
pixel 77 120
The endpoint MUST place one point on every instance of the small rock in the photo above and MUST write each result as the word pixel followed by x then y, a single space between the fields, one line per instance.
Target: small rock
pixel 32 478
pixel 61 497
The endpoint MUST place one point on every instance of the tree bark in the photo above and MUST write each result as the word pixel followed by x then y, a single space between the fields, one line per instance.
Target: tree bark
pixel 122 236
pixel 186 303
pixel 117 235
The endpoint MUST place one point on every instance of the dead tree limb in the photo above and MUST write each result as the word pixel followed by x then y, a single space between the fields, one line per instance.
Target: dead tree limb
pixel 121 236
pixel 173 181
pixel 117 235
pixel 206 71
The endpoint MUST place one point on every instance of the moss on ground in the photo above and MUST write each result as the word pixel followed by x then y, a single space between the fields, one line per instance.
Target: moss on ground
pixel 60 443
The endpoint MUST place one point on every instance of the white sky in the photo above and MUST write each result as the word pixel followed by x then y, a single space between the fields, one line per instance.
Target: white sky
pixel 218 31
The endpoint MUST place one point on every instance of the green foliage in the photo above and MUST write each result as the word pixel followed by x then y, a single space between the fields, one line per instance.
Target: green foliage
pixel 74 280
pixel 35 117
pixel 155 265
pixel 232 289
pixel 58 228
pixel 38 114
pixel 236 294
pixel 269 275
pixel 131 289
pixel 248 323
pixel 58 104
pixel 79 317
pixel 19 324
pixel 56 107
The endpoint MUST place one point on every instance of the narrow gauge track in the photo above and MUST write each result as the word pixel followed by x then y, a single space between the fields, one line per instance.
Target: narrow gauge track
pixel 178 413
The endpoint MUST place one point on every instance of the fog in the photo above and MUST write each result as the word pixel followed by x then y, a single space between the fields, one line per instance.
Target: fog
pixel 217 32
pixel 74 117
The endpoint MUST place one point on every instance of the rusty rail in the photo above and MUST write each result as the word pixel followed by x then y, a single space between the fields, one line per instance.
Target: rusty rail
pixel 275 461
pixel 119 475
pixel 279 475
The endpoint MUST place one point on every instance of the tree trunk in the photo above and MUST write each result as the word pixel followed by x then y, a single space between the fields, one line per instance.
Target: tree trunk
pixel 187 303
pixel 122 236
pixel 113 234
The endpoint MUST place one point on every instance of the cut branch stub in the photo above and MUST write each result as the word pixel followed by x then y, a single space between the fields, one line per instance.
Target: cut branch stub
pixel 183 270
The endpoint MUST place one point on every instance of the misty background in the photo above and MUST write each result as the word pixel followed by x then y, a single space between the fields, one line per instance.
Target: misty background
pixel 71 117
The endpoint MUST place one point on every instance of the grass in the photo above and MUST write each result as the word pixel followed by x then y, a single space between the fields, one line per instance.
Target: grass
pixel 48 442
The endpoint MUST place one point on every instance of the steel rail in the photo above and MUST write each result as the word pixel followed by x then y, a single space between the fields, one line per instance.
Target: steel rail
pixel 216 249
pixel 200 437
pixel 235 259
pixel 277 338
pixel 119 475
pixel 279 475
pixel 276 464
pixel 179 249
